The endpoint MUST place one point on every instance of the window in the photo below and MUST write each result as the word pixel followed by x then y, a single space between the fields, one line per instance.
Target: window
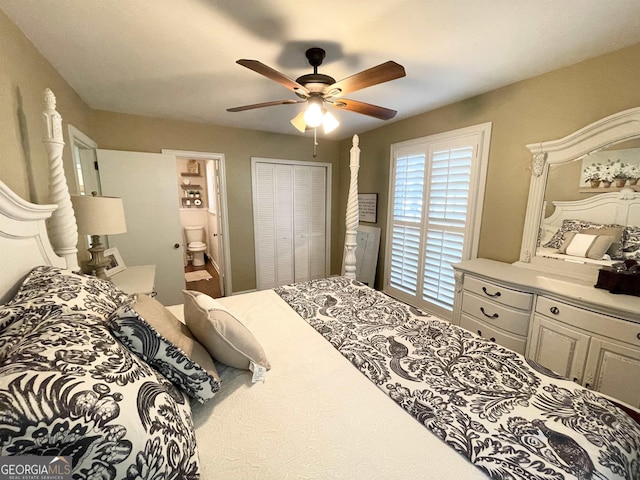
pixel 437 188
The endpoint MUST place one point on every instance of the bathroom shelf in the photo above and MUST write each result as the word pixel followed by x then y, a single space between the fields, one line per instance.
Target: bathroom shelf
pixel 191 187
pixel 186 174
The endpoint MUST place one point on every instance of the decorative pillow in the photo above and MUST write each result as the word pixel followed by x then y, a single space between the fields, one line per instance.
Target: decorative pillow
pixel 148 329
pixel 75 292
pixel 587 246
pixel 615 250
pixel 545 234
pixel 578 225
pixel 223 335
pixel 631 242
pixel 67 387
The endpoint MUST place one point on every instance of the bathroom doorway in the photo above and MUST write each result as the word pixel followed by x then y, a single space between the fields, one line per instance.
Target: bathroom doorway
pixel 203 201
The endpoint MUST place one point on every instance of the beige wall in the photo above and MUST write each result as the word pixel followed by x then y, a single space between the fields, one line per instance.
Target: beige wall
pixel 144 134
pixel 24 75
pixel 543 108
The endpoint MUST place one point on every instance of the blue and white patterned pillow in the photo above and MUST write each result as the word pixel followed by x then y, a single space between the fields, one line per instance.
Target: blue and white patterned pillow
pixel 169 347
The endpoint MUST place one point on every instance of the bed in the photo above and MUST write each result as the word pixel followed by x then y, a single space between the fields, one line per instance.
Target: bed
pixel 358 385
pixel 615 215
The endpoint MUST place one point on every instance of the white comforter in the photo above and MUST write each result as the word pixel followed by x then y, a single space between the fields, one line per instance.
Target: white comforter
pixel 315 417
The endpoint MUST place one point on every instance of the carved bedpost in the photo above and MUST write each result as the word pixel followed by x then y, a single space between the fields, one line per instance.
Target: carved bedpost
pixel 63 232
pixel 352 216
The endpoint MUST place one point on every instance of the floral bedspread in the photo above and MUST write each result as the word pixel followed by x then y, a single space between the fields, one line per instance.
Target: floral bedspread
pixel 509 417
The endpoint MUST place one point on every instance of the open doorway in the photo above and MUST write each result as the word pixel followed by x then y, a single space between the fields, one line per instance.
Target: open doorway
pixel 209 196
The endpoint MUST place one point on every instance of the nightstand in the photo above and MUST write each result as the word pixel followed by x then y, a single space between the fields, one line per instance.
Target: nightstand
pixel 139 279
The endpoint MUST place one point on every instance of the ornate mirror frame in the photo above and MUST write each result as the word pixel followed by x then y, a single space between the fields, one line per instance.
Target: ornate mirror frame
pixel 615 128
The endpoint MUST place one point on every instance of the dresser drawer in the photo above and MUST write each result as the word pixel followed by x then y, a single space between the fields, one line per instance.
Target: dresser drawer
pixel 496 314
pixel 497 293
pixel 599 323
pixel 513 342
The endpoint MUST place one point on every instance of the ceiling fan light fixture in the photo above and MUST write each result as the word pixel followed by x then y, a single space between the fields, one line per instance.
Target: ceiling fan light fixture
pixel 329 122
pixel 314 114
pixel 299 123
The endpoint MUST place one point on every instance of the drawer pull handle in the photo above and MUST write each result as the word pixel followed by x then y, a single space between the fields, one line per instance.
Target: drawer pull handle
pixel 493 295
pixel 554 310
pixel 575 379
pixel 493 339
pixel 495 315
pixel 638 336
pixel 587 386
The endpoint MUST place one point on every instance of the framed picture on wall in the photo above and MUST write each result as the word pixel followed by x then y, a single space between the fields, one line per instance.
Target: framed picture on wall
pixel 368 203
pixel 116 264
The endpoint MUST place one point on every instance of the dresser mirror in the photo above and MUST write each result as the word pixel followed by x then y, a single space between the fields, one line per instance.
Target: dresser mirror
pixel 558 175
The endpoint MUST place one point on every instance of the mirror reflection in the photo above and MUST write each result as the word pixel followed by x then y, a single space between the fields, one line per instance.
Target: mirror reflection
pixel 577 188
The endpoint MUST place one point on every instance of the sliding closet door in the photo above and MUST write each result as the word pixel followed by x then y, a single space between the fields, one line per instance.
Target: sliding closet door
pixel 291 225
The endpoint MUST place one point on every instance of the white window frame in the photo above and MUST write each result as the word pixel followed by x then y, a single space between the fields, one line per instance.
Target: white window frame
pixel 478 177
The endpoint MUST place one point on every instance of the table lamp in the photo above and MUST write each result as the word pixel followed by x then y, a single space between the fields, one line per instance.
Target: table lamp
pixel 97 216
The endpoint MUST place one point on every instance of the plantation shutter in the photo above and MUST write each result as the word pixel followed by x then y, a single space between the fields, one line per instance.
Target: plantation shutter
pixel 407 218
pixel 446 221
pixel 430 224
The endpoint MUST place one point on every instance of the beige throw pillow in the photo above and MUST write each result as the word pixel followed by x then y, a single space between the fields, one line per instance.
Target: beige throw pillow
pixel 615 249
pixel 168 325
pixel 223 335
pixel 584 245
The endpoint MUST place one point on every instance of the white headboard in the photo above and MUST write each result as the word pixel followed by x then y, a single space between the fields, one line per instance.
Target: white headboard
pixel 26 240
pixel 621 208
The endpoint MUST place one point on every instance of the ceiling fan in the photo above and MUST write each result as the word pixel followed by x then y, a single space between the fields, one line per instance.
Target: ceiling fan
pixel 318 89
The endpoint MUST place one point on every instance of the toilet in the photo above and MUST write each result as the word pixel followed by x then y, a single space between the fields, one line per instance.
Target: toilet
pixel 195 246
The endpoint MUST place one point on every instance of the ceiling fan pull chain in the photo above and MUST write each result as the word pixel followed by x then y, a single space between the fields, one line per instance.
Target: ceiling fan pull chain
pixel 315 142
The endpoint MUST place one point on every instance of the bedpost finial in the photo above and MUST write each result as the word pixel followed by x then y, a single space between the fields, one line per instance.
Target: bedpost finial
pixel 49 99
pixel 356 140
pixel 51 120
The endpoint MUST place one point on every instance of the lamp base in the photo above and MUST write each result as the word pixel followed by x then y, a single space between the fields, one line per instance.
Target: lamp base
pixel 98 263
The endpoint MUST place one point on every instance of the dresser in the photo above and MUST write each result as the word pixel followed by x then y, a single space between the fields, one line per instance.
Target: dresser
pixel 585 334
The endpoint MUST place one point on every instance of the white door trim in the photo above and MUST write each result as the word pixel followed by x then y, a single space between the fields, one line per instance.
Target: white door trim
pixel 76 137
pixel 219 157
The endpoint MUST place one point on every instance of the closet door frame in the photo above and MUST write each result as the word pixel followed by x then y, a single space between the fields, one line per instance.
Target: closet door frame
pixel 292 163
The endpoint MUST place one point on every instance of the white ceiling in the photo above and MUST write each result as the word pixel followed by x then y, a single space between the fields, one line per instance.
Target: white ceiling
pixel 176 58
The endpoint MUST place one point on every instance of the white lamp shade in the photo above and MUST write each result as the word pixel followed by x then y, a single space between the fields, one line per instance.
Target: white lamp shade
pixel 329 122
pixel 99 215
pixel 299 123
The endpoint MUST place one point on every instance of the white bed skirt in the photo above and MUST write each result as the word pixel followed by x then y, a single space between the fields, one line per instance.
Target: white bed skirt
pixel 315 417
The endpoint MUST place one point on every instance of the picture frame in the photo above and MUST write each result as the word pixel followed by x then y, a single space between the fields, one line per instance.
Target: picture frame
pixel 116 264
pixel 368 207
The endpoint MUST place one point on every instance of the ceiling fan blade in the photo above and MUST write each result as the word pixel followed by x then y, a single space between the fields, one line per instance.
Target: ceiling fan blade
pixel 265 104
pixel 373 76
pixel 274 75
pixel 364 108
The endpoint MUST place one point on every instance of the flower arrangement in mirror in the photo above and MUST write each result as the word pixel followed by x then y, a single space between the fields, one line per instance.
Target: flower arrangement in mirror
pixel 592 174
pixel 632 173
